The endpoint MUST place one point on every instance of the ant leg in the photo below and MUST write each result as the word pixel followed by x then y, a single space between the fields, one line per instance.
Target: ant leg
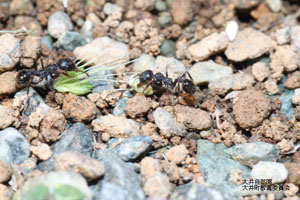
pixel 77 70
pixel 147 86
pixel 189 76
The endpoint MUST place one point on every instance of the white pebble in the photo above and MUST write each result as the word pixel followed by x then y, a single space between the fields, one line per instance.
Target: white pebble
pixel 232 30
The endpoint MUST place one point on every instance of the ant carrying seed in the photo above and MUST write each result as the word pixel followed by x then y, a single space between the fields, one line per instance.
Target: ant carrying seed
pixel 25 76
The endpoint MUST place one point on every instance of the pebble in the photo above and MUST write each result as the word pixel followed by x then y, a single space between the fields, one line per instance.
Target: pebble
pixel 144 4
pixel 143 63
pixel 53 124
pixel 34 101
pixel 119 109
pixel 10 52
pixel 8 83
pixel 21 7
pixel 208 46
pixel 164 19
pixel 271 87
pixel 293 173
pixel 167 124
pixel 182 11
pixel 251 153
pixel 249 44
pixel 160 5
pixel 13 146
pixel 92 17
pixel 105 49
pixel 295 37
pixel 177 154
pixel 29 23
pixel 250 108
pixel 77 138
pixel 69 40
pixel 61 185
pixel 138 106
pixel 205 72
pixel 47 41
pixel 132 148
pixel 120 180
pixel 110 8
pixel 79 108
pixel 193 119
pixel 168 48
pixel 156 183
pixel 246 5
pixel 296 96
pixel 293 81
pixel 42 151
pixel 283 35
pixel 218 173
pixel 231 30
pixel 193 191
pixel 31 47
pixel 174 67
pixel 5 192
pixel 7 116
pixel 76 162
pixel 285 98
pixel 286 56
pixel 275 5
pixel 116 126
pixel 260 71
pixel 87 31
pixel 269 170
pixel 59 23
pixel 237 81
pixel 5 172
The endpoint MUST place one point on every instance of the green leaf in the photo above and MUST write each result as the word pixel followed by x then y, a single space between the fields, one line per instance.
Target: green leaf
pixel 140 88
pixel 37 192
pixel 67 192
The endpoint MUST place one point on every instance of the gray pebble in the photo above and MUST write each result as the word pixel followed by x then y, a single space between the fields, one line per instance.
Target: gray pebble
pixel 87 31
pixel 275 5
pixel 167 123
pixel 251 153
pixel 160 5
pixel 164 19
pixel 132 148
pixel 47 41
pixel 69 40
pixel 58 23
pixel 33 101
pixel 217 166
pixel 13 146
pixel 120 180
pixel 10 52
pixel 192 191
pixel 205 72
pixel 168 48
pixel 77 138
pixel 145 62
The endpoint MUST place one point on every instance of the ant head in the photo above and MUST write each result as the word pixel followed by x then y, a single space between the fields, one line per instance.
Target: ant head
pixel 188 86
pixel 66 64
pixel 146 76
pixel 24 76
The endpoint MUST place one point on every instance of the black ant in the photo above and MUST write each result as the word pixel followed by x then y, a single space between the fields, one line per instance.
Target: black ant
pixel 159 81
pixel 53 70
